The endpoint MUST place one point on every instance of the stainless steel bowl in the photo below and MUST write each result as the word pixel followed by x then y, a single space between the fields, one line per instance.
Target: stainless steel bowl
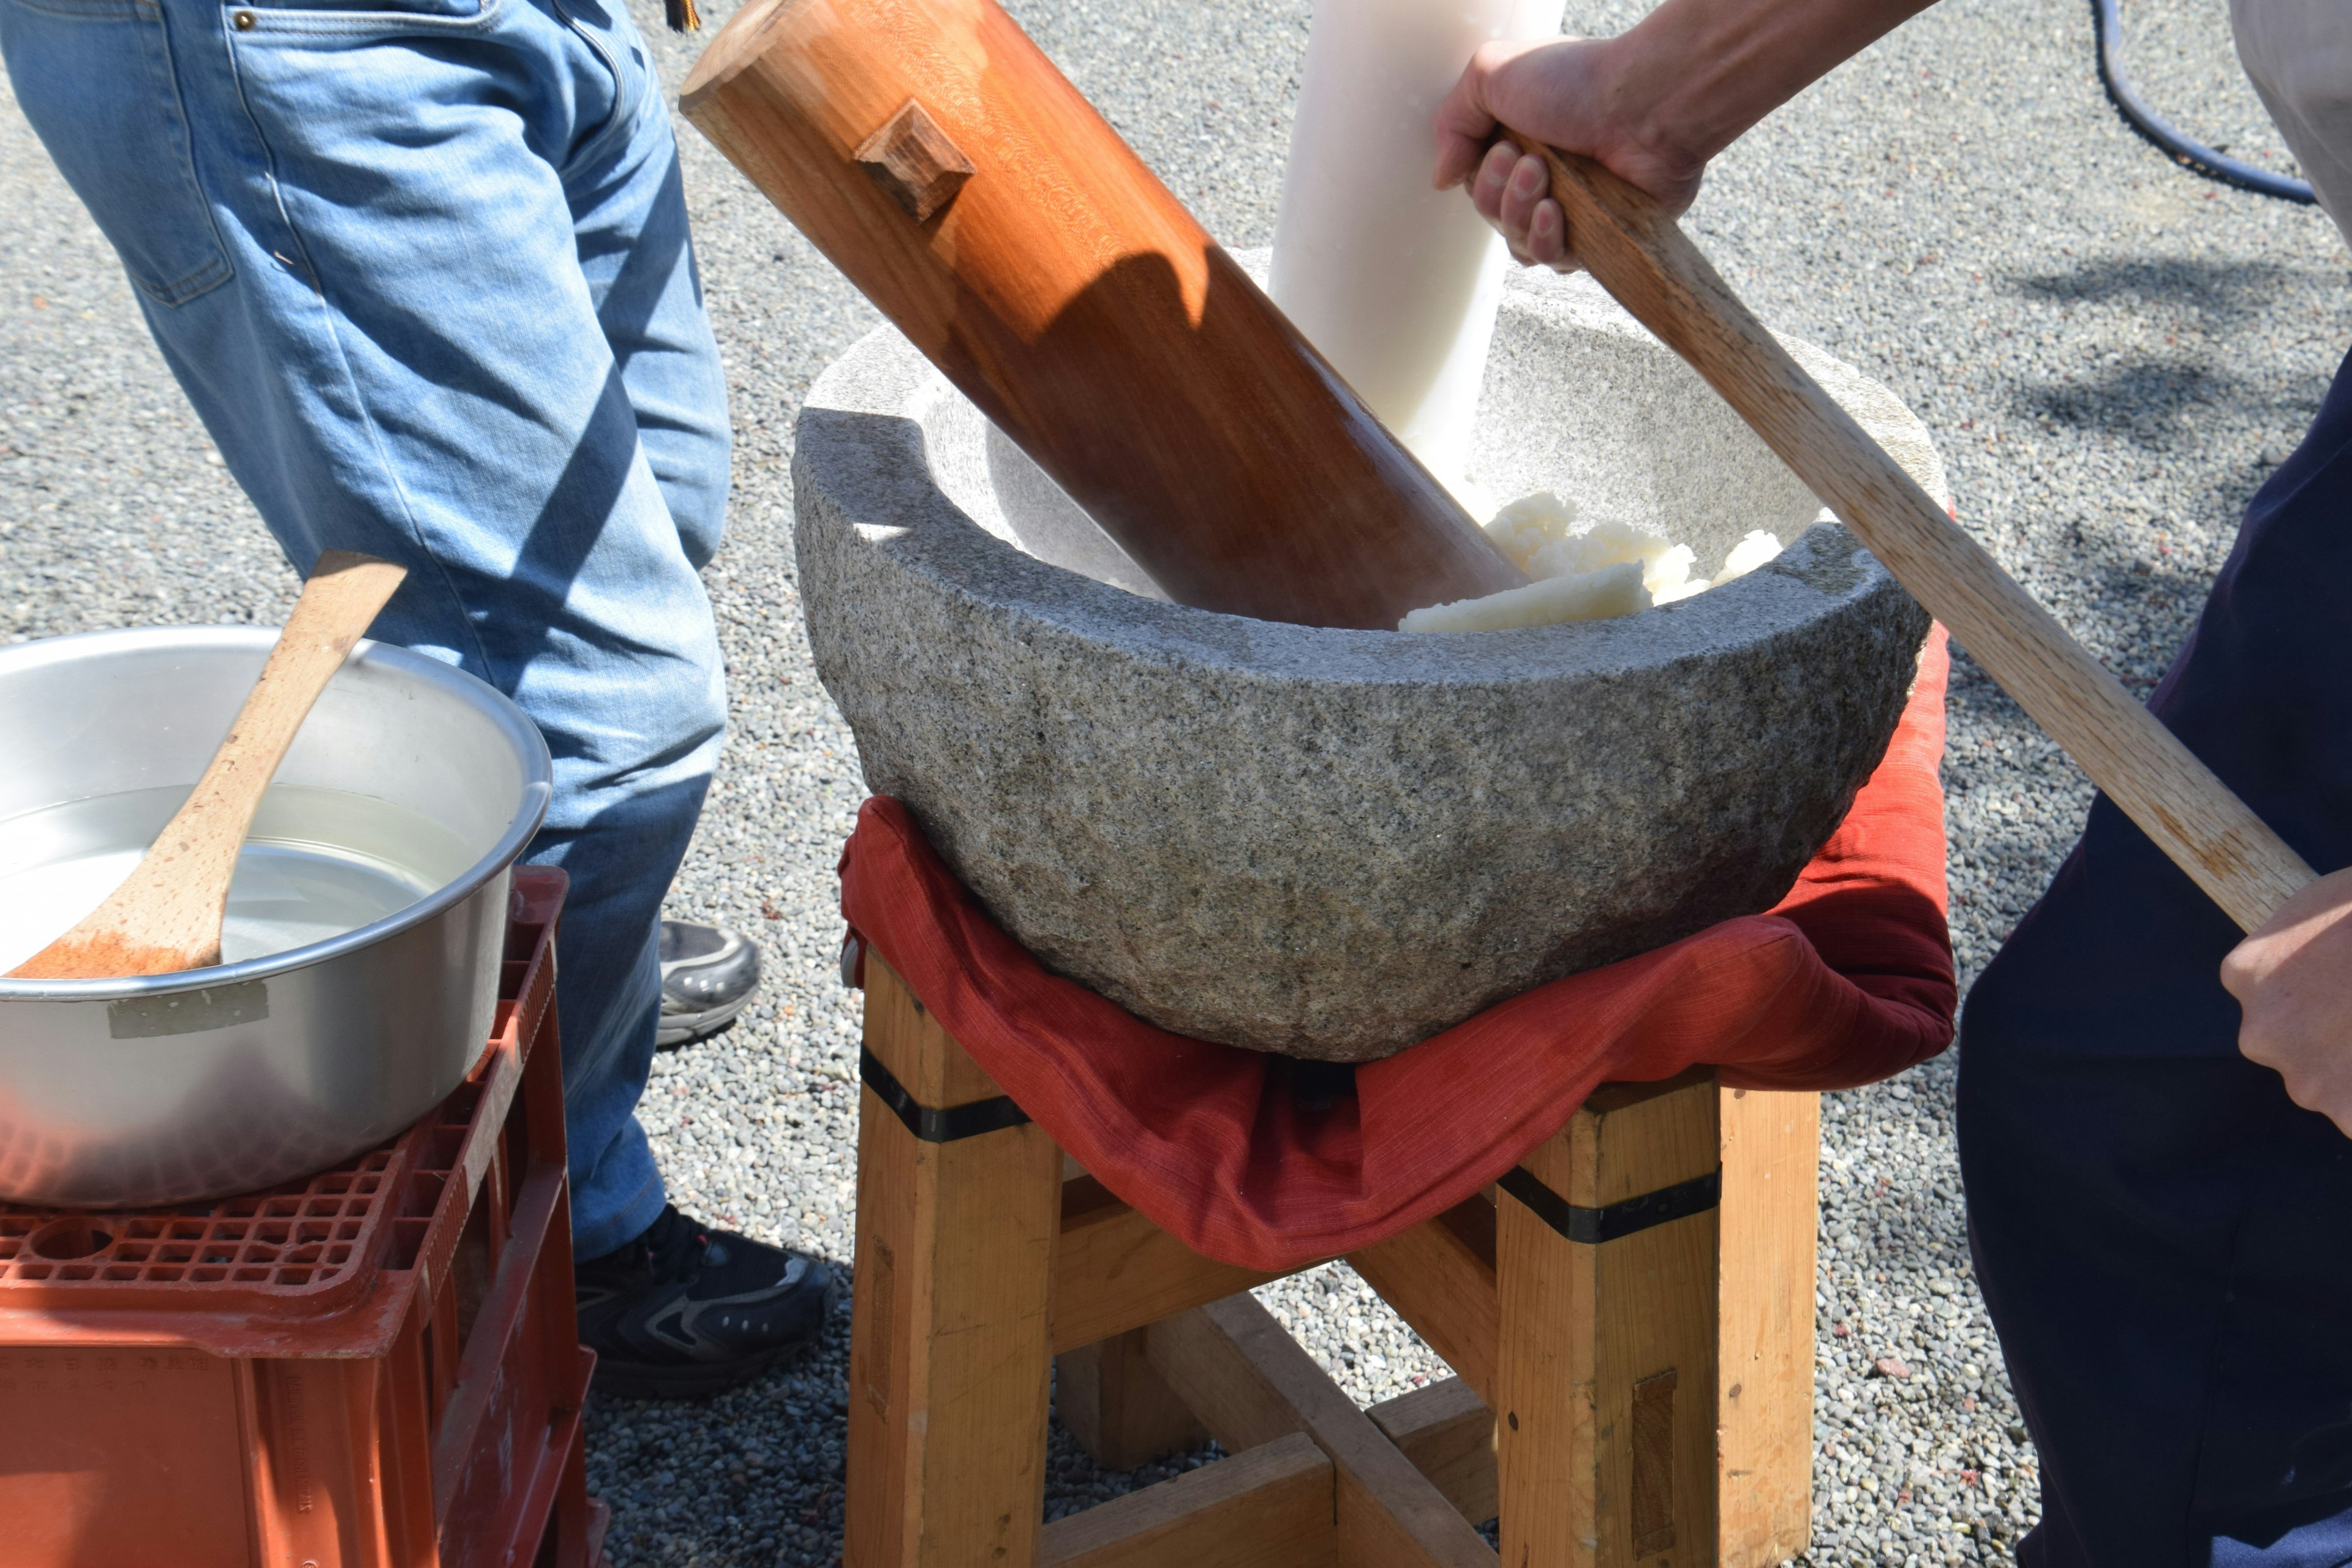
pixel 381 851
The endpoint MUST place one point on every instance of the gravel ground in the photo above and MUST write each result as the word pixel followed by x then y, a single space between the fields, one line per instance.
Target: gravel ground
pixel 2111 352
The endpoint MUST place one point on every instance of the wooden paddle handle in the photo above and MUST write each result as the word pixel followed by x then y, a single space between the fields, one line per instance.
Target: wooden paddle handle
pixel 166 916
pixel 345 593
pixel 1642 257
pixel 937 157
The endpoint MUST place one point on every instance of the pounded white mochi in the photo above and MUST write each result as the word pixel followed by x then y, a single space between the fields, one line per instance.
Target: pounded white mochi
pixel 1747 556
pixel 1580 596
pixel 1535 531
pixel 1527 524
pixel 1611 569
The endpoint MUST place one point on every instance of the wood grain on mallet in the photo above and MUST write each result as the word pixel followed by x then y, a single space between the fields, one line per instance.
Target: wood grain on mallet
pixel 166 915
pixel 1642 257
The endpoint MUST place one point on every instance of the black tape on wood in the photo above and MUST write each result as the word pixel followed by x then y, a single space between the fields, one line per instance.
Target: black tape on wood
pixel 1592 1227
pixel 933 1123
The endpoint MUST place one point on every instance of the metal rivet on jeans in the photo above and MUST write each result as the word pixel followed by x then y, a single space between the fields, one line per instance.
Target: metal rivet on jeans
pixel 243 21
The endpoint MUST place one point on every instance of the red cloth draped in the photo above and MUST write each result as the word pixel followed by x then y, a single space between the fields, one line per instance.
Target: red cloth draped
pixel 1848 980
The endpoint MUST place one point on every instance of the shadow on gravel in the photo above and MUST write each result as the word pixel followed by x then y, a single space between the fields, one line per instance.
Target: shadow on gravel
pixel 2176 405
pixel 2225 294
pixel 2145 401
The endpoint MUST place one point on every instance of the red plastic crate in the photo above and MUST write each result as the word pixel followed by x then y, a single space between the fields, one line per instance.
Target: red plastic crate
pixel 379 1367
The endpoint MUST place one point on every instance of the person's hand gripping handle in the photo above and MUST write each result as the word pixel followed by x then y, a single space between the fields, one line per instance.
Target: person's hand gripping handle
pixel 2294 973
pixel 1640 255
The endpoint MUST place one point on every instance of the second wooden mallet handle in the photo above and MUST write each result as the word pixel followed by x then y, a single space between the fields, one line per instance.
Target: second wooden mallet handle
pixel 1640 255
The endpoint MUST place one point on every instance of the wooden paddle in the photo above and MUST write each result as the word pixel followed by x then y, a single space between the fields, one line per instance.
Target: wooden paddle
pixel 1642 256
pixel 166 915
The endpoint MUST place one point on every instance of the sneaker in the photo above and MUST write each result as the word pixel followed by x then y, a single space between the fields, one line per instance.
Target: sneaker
pixel 708 974
pixel 685 1312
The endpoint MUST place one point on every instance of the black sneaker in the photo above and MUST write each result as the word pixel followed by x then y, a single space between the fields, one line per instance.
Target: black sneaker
pixel 708 973
pixel 685 1312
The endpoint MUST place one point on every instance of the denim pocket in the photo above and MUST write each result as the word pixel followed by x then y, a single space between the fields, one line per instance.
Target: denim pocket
pixel 265 11
pixel 94 78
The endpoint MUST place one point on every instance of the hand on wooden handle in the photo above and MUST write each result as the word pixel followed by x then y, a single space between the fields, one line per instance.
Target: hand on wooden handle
pixel 2294 980
pixel 1640 255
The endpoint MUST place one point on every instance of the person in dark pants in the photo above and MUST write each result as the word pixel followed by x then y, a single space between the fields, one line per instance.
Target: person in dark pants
pixel 2164 1235
pixel 2152 1112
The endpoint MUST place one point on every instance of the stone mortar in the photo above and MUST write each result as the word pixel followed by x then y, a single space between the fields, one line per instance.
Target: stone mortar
pixel 1334 844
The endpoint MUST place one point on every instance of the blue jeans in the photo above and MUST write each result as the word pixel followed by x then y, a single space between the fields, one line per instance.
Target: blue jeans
pixel 2164 1238
pixel 424 269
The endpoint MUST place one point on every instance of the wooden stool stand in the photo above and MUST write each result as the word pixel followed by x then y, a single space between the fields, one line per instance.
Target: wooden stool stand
pixel 1635 1298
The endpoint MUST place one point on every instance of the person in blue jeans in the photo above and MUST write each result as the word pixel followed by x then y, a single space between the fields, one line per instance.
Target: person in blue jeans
pixel 2153 1113
pixel 423 267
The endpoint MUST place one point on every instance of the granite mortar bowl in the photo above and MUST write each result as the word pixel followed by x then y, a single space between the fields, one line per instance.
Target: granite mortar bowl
pixel 366 922
pixel 1334 843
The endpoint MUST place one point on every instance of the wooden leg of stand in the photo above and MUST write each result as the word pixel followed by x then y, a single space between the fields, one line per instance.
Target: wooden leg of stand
pixel 950 1333
pixel 1770 1144
pixel 1605 1375
pixel 1120 1411
pixel 1772 1179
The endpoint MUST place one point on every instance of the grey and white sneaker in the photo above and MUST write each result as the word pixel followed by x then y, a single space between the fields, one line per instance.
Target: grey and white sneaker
pixel 686 1311
pixel 709 974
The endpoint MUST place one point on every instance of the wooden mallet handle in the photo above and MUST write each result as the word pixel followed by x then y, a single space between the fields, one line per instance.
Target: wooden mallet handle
pixel 1642 256
pixel 936 156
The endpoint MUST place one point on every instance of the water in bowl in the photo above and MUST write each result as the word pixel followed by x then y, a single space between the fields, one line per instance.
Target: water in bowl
pixel 317 863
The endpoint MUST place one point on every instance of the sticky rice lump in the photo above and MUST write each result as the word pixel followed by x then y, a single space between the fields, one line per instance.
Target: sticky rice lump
pixel 1609 569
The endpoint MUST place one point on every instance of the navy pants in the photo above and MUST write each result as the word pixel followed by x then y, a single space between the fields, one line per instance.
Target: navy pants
pixel 2165 1239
